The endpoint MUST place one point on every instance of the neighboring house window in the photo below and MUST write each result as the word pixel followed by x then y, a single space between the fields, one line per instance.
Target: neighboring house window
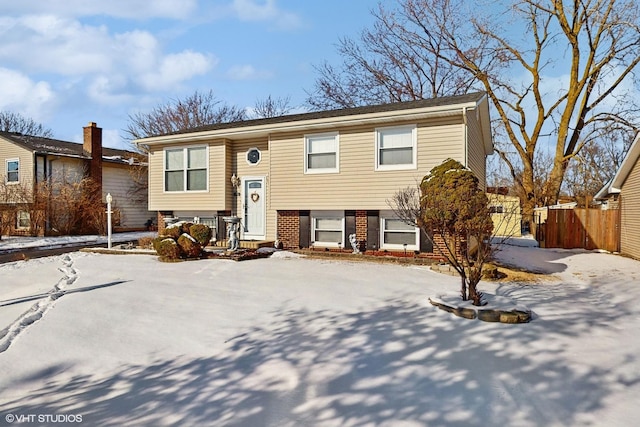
pixel 13 170
pixel 185 169
pixel 23 220
pixel 496 209
pixel 396 234
pixel 322 153
pixel 327 229
pixel 396 148
pixel 253 156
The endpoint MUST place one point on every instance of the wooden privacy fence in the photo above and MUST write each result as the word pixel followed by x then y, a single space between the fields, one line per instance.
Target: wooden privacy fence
pixel 581 228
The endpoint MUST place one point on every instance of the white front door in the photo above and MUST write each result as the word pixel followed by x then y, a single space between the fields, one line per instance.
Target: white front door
pixel 254 208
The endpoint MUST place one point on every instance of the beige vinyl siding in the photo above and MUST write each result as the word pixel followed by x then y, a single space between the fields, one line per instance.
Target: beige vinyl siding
pixel 9 150
pixel 630 214
pixel 116 180
pixel 244 169
pixel 214 199
pixel 476 154
pixel 357 185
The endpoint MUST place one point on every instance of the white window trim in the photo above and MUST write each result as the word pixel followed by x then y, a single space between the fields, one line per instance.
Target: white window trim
pixel 336 136
pixel 6 168
pixel 246 156
pixel 414 140
pixel 327 214
pixel 18 227
pixel 388 246
pixel 185 163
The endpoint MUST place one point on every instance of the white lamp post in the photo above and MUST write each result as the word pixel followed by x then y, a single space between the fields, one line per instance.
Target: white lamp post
pixel 109 200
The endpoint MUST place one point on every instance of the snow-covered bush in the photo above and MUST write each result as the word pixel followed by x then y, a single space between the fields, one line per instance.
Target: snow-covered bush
pixel 167 248
pixel 201 232
pixel 189 246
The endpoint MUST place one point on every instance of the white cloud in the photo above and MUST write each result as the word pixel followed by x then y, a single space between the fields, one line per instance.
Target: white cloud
pixel 176 68
pixel 112 63
pixel 23 95
pixel 247 72
pixel 130 9
pixel 267 10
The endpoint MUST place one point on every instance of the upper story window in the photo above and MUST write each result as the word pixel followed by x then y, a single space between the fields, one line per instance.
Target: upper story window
pixel 396 148
pixel 13 170
pixel 322 153
pixel 186 169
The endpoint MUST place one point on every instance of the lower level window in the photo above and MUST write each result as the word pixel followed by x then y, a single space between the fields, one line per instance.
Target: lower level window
pixel 328 229
pixel 396 234
pixel 23 219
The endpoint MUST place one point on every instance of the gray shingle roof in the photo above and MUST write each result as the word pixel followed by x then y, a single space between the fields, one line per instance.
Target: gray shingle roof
pixel 41 145
pixel 395 106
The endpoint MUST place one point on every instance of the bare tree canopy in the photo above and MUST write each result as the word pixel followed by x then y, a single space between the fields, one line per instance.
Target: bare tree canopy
pixel 385 65
pixel 198 109
pixel 556 71
pixel 14 122
pixel 272 107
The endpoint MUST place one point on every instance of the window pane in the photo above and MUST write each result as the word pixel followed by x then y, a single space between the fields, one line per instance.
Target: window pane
pixel 12 166
pixel 398 225
pixel 24 219
pixel 396 138
pixel 322 161
pixel 400 238
pixel 329 224
pixel 396 156
pixel 175 159
pixel 197 180
pixel 174 181
pixel 328 236
pixel 322 144
pixel 197 158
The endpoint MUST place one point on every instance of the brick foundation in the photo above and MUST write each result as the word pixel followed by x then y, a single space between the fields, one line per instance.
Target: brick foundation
pixel 289 229
pixel 161 224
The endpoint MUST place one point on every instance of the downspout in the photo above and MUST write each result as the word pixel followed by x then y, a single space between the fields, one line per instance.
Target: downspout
pixel 466 136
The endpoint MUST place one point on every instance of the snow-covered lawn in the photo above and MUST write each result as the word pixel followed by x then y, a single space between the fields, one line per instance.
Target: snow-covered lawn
pixel 290 341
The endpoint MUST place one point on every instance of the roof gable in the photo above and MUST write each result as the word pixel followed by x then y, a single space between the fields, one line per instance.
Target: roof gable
pixel 615 185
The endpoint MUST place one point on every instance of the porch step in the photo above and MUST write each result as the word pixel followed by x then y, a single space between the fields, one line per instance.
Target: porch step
pixel 248 244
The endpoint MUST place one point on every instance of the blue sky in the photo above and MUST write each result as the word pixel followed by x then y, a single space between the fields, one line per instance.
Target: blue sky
pixel 65 63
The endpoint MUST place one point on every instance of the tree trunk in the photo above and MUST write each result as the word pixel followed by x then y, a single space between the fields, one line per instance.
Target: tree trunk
pixel 463 289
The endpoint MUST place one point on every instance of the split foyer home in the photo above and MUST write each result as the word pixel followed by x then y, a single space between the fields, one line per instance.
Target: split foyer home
pixel 313 179
pixel 28 160
pixel 623 193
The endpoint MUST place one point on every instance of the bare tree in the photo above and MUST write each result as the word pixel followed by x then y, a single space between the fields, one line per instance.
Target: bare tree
pixel 384 65
pixel 569 74
pixel 14 122
pixel 198 109
pixel 272 107
pixel 596 164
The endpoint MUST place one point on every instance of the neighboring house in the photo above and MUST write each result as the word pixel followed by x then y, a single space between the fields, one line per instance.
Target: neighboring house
pixel 505 214
pixel 28 160
pixel 623 191
pixel 313 179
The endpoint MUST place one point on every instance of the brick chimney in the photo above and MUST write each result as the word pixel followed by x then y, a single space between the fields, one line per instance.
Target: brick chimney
pixel 92 146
